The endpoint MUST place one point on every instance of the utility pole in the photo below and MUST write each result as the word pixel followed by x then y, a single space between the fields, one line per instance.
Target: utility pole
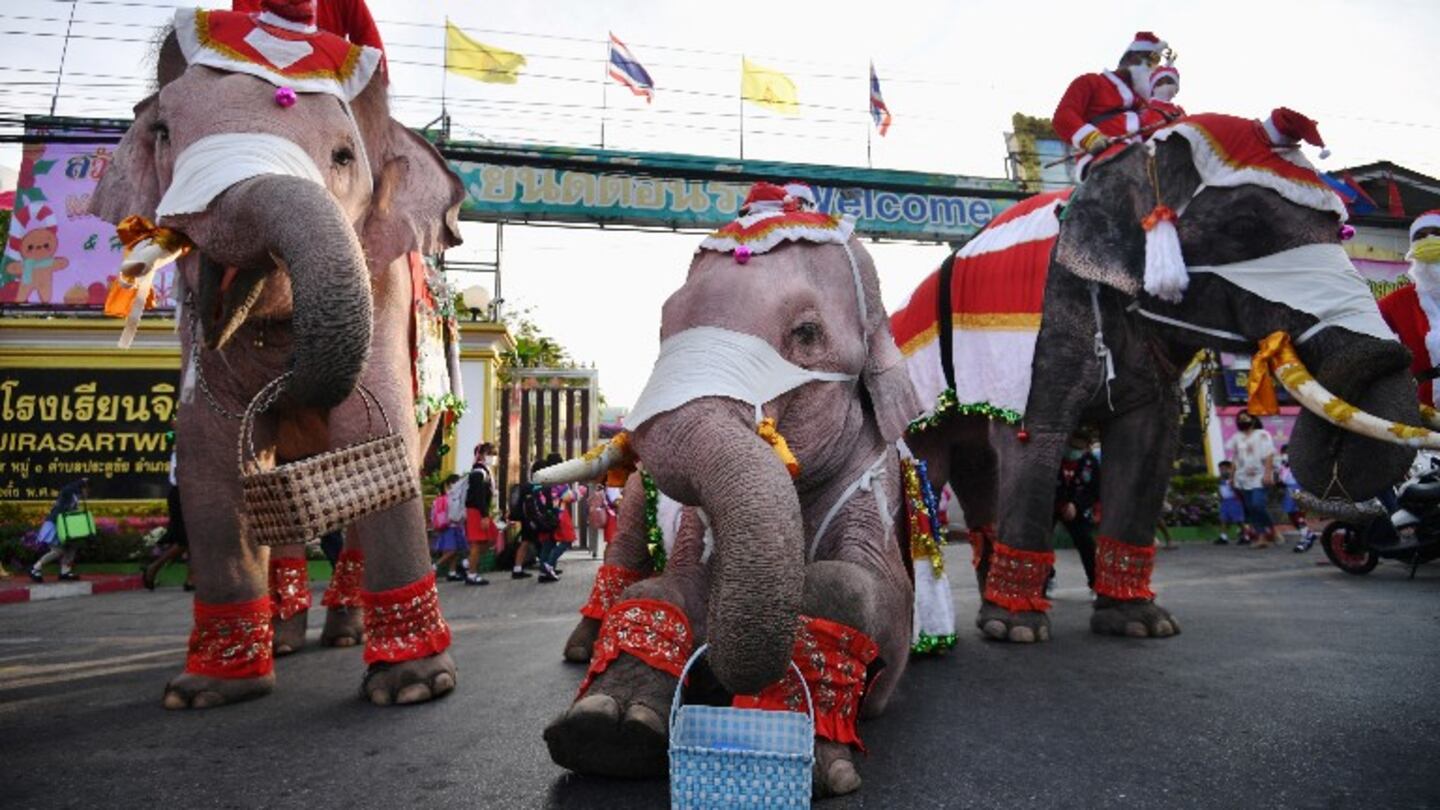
pixel 64 49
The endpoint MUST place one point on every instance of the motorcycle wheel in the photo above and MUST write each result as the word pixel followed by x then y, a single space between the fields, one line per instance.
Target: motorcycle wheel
pixel 1345 547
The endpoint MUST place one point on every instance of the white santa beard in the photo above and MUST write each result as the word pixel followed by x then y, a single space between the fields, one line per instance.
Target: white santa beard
pixel 1140 81
pixel 1426 276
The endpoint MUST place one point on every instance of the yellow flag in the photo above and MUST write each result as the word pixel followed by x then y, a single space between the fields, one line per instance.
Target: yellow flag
pixel 768 88
pixel 478 61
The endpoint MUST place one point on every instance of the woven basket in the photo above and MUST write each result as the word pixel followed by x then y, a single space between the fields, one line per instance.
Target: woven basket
pixel 302 500
pixel 721 757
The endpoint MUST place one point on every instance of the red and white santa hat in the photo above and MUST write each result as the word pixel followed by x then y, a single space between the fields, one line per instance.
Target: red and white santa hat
pixel 1147 42
pixel 281 45
pixel 1164 72
pixel 1287 128
pixel 1429 219
pixel 29 217
pixel 773 214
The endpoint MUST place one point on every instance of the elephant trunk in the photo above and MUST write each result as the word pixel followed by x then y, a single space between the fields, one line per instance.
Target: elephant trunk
pixel 707 454
pixel 295 224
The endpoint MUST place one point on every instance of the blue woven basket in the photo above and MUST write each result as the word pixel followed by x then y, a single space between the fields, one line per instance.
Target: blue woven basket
pixel 722 757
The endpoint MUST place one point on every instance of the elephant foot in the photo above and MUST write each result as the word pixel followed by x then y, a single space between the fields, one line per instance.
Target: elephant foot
pixel 190 691
pixel 290 633
pixel 408 681
pixel 619 727
pixel 582 640
pixel 1143 619
pixel 835 773
pixel 344 627
pixel 1026 627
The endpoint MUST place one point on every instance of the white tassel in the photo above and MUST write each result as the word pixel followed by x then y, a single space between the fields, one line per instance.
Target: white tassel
pixel 1165 274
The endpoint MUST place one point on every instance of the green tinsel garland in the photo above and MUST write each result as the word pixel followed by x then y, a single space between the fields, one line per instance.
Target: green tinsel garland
pixel 932 644
pixel 946 406
pixel 654 538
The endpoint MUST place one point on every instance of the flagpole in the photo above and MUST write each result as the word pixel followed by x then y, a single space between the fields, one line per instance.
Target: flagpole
pixel 869 116
pixel 742 106
pixel 604 92
pixel 444 72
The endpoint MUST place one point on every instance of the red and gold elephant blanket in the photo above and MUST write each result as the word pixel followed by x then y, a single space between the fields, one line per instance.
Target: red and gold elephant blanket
pixel 995 286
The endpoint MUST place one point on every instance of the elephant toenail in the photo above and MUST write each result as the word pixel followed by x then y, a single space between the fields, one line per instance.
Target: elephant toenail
pixel 1136 630
pixel 414 693
pixel 175 700
pixel 1023 635
pixel 995 629
pixel 380 697
pixel 443 683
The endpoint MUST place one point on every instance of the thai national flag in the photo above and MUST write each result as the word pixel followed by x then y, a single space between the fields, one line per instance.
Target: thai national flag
pixel 624 68
pixel 878 110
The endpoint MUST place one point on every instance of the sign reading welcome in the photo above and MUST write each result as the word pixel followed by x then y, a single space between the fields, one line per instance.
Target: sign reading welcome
pixel 105 424
pixel 504 192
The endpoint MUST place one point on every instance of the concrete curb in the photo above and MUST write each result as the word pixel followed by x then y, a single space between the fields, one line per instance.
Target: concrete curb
pixel 14 590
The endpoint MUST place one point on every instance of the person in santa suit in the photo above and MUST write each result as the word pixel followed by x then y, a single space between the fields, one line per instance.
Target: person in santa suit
pixel 1413 311
pixel 1160 108
pixel 344 18
pixel 1099 109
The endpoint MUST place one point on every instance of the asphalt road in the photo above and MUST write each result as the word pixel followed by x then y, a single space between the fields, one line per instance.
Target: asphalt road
pixel 1293 685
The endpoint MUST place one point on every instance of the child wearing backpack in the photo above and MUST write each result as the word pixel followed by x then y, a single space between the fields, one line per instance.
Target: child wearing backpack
pixel 449 535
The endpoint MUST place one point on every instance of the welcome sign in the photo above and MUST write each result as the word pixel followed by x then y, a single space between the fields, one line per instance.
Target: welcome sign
pixel 660 190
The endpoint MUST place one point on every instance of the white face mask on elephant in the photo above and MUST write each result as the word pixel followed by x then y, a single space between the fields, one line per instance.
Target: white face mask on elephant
pixel 708 361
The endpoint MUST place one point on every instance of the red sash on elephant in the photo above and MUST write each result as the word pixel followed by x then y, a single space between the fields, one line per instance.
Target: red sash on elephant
pixel 344 588
pixel 610 582
pixel 289 587
pixel 655 632
pixel 404 624
pixel 1122 570
pixel 232 641
pixel 996 287
pixel 835 659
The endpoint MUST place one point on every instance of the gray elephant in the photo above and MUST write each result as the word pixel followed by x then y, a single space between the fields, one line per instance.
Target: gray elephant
pixel 794 548
pixel 1259 233
pixel 306 205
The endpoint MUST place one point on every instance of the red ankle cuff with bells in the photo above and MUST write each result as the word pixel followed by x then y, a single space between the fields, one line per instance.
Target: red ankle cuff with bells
pixel 1122 570
pixel 610 582
pixel 289 587
pixel 404 624
pixel 655 632
pixel 1016 579
pixel 834 659
pixel 344 588
pixel 231 641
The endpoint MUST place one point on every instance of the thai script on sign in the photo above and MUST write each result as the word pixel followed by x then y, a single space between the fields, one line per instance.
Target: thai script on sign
pixel 495 191
pixel 107 424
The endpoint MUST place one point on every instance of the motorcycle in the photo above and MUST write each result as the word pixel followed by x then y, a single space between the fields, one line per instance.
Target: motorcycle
pixel 1358 539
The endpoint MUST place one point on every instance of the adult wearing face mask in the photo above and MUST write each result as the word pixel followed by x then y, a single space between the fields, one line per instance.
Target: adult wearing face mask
pixel 1253 450
pixel 1413 311
pixel 1099 109
pixel 1077 499
pixel 480 526
pixel 1160 107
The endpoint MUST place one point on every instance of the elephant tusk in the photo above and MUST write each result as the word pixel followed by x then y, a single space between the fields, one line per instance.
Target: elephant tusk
pixel 1279 357
pixel 596 463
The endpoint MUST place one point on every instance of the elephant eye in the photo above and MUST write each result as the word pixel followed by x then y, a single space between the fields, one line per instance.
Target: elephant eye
pixel 807 333
pixel 343 156
pixel 161 131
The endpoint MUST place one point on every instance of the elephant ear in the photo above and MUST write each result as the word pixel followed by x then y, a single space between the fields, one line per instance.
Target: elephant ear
pixel 885 375
pixel 131 184
pixel 416 206
pixel 1101 238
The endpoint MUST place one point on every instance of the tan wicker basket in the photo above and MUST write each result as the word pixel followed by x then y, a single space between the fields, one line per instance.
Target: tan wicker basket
pixel 299 501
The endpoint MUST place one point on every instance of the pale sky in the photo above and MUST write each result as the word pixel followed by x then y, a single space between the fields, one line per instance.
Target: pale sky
pixel 952 73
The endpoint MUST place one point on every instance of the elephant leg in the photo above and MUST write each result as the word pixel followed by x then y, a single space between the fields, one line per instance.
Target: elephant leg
pixel 1017 559
pixel 289 597
pixel 855 596
pixel 406 637
pixel 627 561
pixel 1140 446
pixel 230 655
pixel 618 724
pixel 344 612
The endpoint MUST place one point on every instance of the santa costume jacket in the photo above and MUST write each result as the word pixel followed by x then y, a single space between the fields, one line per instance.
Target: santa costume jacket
pixel 1403 311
